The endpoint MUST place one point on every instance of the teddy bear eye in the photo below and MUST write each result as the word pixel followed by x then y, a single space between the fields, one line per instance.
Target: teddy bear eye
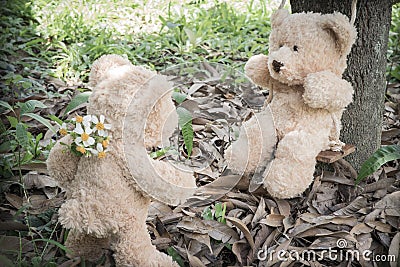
pixel 295 48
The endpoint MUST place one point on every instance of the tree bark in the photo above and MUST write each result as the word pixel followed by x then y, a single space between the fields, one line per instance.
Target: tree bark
pixel 362 122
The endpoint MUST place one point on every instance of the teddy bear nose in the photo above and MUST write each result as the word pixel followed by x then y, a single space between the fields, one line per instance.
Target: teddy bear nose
pixel 276 65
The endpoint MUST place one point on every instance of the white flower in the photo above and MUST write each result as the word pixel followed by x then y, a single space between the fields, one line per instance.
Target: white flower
pixel 78 119
pixel 100 152
pixel 84 135
pixel 100 126
pixel 87 121
pixel 63 130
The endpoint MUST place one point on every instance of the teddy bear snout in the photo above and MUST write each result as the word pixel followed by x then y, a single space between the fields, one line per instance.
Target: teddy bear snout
pixel 276 65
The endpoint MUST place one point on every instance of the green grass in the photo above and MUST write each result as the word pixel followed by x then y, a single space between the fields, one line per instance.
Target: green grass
pixel 43 39
pixel 393 67
pixel 72 34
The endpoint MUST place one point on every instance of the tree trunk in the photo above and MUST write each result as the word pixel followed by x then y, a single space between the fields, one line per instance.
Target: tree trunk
pixel 362 122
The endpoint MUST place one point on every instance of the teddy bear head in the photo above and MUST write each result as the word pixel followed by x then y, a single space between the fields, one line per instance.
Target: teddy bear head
pixel 138 104
pixel 115 81
pixel 304 43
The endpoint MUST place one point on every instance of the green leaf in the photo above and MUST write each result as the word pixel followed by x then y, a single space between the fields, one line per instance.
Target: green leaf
pixel 191 35
pixel 5 147
pixel 220 210
pixel 38 137
pixel 159 153
pixel 185 123
pixel 22 135
pixel 6 262
pixel 13 121
pixel 380 157
pixel 207 214
pixel 28 156
pixel 179 97
pixel 53 242
pixel 77 100
pixel 396 73
pixel 2 127
pixel 6 105
pixel 30 106
pixel 175 256
pixel 56 119
pixel 42 120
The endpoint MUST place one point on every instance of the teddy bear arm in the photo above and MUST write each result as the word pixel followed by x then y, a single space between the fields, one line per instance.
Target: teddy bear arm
pixel 62 163
pixel 327 90
pixel 256 69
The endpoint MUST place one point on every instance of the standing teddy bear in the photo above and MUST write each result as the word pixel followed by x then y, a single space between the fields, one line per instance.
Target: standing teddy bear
pixel 106 205
pixel 303 71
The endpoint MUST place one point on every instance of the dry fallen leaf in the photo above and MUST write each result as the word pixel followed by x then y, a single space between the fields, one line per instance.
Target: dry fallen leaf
pixel 194 261
pixel 394 249
pixel 15 244
pixel 361 228
pixel 242 227
pixel 260 212
pixel 357 204
pixel 380 226
pixel 14 200
pixel 238 248
pixel 39 181
pixel 274 220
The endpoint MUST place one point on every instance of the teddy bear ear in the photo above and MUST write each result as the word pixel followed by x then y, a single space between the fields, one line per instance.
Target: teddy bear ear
pixel 343 32
pixel 278 17
pixel 104 64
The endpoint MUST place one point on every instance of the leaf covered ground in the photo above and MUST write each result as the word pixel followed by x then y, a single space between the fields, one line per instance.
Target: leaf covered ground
pixel 47 49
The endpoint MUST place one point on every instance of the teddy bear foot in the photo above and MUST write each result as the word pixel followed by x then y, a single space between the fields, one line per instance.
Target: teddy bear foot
pixel 86 246
pixel 150 257
pixel 285 183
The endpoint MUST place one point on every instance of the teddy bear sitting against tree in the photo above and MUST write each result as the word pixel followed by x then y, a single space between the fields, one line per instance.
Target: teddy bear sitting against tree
pixel 307 57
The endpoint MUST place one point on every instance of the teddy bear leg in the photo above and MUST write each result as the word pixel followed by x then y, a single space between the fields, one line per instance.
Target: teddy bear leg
pixel 86 246
pixel 133 245
pixel 292 169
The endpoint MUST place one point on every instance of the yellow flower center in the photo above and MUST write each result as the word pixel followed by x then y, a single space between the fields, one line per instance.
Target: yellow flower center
pixel 100 126
pixel 79 119
pixel 85 137
pixel 101 155
pixel 81 149
pixel 63 132
pixel 105 143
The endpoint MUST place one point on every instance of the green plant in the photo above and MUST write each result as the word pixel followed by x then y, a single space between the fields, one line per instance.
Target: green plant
pixel 393 53
pixel 20 146
pixel 175 256
pixel 185 124
pixel 159 153
pixel 78 100
pixel 378 158
pixel 216 213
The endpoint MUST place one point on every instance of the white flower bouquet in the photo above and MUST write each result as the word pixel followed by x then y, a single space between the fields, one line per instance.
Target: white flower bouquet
pixel 89 134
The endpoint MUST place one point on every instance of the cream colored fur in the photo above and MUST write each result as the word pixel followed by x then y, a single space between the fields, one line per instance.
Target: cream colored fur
pixel 105 206
pixel 307 57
